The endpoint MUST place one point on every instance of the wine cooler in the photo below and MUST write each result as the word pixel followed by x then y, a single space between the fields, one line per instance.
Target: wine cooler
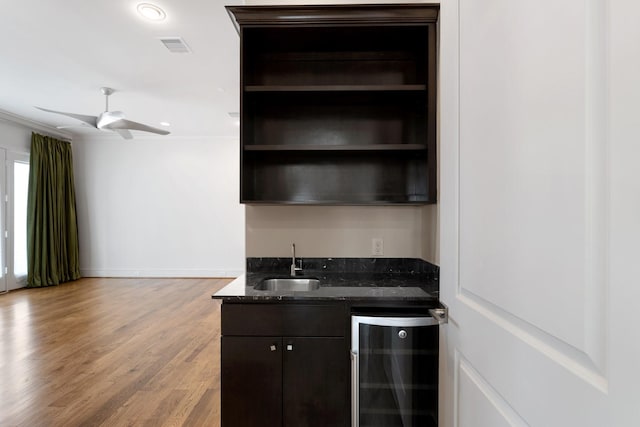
pixel 394 371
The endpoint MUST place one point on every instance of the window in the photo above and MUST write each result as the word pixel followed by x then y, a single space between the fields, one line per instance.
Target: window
pixel 20 192
pixel 14 187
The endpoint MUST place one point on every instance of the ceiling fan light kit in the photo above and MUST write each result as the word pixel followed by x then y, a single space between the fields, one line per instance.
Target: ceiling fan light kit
pixel 111 120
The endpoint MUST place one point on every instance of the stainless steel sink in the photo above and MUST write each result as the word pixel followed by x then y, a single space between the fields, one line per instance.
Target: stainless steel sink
pixel 288 284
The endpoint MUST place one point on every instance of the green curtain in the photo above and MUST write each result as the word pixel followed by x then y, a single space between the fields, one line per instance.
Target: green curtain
pixel 52 228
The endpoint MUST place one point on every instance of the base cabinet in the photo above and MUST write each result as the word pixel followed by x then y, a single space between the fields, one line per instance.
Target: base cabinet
pixel 284 380
pixel 251 381
pixel 315 378
pixel 289 364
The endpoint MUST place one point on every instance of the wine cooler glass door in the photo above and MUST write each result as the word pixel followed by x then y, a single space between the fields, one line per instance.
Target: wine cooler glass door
pixel 395 371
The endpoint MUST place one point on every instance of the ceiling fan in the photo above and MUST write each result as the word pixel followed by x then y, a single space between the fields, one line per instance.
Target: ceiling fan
pixel 111 120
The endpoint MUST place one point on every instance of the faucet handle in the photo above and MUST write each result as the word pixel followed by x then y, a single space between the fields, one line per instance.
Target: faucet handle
pixel 294 269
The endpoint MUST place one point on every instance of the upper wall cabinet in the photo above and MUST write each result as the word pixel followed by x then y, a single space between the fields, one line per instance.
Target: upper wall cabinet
pixel 338 104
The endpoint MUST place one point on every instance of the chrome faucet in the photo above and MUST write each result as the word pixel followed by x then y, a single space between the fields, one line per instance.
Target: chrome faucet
pixel 294 269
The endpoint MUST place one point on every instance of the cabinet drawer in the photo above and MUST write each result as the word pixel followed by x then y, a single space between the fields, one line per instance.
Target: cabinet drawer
pixel 284 320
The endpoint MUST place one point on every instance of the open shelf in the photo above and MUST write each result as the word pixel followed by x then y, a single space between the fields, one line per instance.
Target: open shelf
pixel 363 147
pixel 335 118
pixel 343 177
pixel 336 55
pixel 338 108
pixel 336 88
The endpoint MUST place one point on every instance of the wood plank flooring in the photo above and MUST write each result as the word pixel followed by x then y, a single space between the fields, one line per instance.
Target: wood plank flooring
pixel 111 352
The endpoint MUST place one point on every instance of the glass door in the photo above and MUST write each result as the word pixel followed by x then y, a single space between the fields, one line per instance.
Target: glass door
pixel 395 371
pixel 16 235
pixel 4 287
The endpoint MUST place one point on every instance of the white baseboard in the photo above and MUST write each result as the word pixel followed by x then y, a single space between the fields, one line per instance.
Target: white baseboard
pixel 169 273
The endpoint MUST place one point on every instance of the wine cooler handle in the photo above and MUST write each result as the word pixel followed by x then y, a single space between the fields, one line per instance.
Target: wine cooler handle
pixel 440 314
pixel 354 389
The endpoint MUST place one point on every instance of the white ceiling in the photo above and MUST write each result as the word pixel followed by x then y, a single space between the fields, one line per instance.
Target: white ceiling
pixel 57 55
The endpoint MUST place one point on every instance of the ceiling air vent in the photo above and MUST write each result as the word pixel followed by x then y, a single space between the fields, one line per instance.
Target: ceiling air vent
pixel 175 44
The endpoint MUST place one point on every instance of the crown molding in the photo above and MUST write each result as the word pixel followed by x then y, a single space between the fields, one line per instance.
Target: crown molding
pixel 112 137
pixel 32 124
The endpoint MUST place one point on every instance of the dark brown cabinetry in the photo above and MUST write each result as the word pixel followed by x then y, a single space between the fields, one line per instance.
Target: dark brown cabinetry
pixel 284 365
pixel 338 104
pixel 251 381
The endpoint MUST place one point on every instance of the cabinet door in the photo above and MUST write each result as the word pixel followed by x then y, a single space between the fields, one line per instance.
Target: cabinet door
pixel 251 381
pixel 315 381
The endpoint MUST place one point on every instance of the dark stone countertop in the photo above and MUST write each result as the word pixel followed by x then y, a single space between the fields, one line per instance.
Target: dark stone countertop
pixel 389 281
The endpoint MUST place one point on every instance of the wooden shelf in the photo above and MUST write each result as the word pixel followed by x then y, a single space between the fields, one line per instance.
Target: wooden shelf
pixel 335 111
pixel 335 177
pixel 336 88
pixel 335 56
pixel 336 202
pixel 370 147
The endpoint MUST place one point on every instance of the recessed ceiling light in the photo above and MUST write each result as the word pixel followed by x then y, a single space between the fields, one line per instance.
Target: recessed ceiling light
pixel 151 12
pixel 165 124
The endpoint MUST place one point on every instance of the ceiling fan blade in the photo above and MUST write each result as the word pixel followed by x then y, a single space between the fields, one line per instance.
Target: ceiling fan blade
pixel 90 120
pixel 81 125
pixel 123 133
pixel 128 124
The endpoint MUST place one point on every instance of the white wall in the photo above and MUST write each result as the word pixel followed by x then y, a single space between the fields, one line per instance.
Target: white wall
pixel 431 233
pixel 15 133
pixel 159 207
pixel 341 231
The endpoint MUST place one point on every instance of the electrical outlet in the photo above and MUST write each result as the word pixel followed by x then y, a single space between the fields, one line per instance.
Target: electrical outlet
pixel 377 246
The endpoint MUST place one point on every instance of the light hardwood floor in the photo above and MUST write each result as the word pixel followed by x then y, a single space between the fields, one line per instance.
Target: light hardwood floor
pixel 112 352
